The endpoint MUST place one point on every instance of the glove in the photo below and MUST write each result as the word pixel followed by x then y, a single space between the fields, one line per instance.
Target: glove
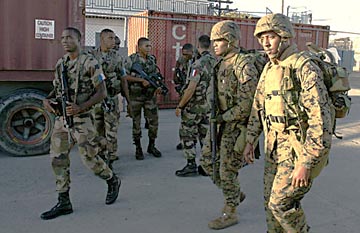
pixel 219 119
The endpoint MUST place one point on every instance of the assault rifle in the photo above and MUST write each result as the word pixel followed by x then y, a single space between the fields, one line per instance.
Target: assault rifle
pixel 65 97
pixel 155 79
pixel 213 123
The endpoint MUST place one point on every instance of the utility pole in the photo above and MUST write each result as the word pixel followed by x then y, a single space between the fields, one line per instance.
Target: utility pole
pixel 218 6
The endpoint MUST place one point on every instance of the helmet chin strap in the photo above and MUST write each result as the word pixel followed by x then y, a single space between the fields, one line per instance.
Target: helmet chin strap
pixel 282 45
pixel 229 49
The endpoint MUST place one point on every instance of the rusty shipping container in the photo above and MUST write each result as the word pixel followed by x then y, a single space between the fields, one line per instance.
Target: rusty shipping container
pixel 169 31
pixel 30 34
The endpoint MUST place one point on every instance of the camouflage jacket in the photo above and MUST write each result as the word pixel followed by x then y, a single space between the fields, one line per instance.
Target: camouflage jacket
pixel 84 74
pixel 235 90
pixel 313 131
pixel 113 66
pixel 200 72
pixel 149 67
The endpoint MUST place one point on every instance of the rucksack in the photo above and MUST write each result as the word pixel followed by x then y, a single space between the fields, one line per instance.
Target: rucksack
pixel 259 60
pixel 252 56
pixel 336 78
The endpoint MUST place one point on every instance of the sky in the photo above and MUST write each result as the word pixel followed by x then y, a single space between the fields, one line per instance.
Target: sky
pixel 343 15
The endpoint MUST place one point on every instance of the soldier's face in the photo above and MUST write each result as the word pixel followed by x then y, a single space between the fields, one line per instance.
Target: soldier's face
pixel 187 54
pixel 70 41
pixel 145 48
pixel 108 40
pixel 221 47
pixel 270 42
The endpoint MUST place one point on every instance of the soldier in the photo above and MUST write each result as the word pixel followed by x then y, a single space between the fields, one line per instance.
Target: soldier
pixel 292 108
pixel 181 71
pixel 235 82
pixel 86 88
pixel 193 106
pixel 107 113
pixel 117 43
pixel 143 96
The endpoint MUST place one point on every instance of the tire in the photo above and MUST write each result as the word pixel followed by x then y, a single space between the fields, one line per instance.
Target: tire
pixel 25 125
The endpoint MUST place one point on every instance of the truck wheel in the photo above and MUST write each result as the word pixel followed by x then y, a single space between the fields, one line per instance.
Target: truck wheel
pixel 25 125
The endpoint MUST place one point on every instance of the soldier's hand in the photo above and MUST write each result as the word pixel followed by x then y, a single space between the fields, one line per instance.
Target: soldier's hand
pixel 47 105
pixel 300 176
pixel 129 111
pixel 177 111
pixel 72 109
pixel 145 83
pixel 249 153
pixel 157 91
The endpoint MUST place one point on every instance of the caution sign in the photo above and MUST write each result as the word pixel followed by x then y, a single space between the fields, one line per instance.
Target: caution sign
pixel 44 29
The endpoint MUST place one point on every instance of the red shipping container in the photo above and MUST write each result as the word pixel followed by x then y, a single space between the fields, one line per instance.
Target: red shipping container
pixel 169 31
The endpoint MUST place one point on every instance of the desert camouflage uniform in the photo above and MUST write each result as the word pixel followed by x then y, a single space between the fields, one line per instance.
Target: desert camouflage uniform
pixel 282 201
pixel 194 117
pixel 84 75
pixel 143 97
pixel 107 121
pixel 235 97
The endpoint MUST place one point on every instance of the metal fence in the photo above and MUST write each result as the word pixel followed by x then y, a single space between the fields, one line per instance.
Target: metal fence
pixel 181 6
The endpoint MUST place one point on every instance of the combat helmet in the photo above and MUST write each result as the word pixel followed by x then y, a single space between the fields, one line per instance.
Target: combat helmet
pixel 278 23
pixel 226 29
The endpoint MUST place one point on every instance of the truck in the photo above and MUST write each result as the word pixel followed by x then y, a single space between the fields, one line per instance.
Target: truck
pixel 30 46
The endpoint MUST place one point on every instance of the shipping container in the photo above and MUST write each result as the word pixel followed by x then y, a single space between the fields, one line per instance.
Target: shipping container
pixel 169 31
pixel 30 33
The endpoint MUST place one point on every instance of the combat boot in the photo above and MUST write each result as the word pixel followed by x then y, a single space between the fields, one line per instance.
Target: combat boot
pixel 189 170
pixel 228 218
pixel 63 207
pixel 201 171
pixel 152 149
pixel 113 189
pixel 179 146
pixel 139 155
pixel 242 197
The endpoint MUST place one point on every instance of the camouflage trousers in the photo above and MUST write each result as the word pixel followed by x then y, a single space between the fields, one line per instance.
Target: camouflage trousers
pixel 227 163
pixel 106 125
pixel 193 127
pixel 83 133
pixel 150 113
pixel 282 202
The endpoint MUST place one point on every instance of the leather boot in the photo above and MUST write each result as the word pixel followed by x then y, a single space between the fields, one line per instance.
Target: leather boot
pixel 139 155
pixel 152 149
pixel 201 171
pixel 228 218
pixel 63 207
pixel 189 170
pixel 242 196
pixel 179 146
pixel 113 189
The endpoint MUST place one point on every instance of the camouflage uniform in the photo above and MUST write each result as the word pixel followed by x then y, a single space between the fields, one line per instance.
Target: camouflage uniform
pixel 235 96
pixel 297 126
pixel 183 67
pixel 232 89
pixel 81 87
pixel 194 117
pixel 107 121
pixel 144 98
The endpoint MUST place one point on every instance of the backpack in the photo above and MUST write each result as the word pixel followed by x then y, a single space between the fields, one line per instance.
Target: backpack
pixel 336 78
pixel 252 56
pixel 259 60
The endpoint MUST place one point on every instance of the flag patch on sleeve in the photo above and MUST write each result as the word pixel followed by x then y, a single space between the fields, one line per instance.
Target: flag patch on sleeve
pixel 194 72
pixel 101 77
